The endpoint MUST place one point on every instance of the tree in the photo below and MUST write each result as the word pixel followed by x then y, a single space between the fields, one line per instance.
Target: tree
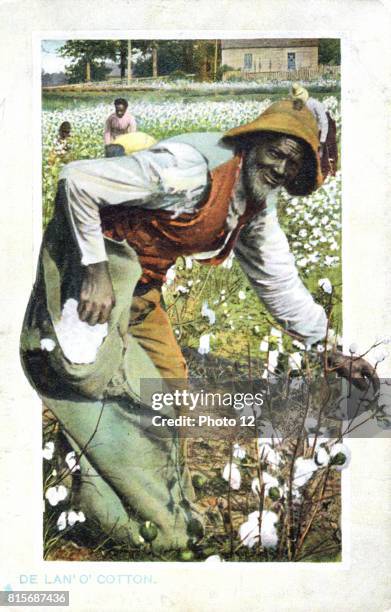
pixel 88 58
pixel 165 57
pixel 330 51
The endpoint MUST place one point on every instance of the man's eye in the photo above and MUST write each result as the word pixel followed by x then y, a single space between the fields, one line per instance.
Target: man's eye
pixel 273 153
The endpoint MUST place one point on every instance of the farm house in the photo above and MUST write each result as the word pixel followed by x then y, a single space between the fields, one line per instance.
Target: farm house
pixel 266 55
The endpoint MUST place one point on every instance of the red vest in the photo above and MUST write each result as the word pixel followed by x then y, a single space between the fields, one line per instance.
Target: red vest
pixel 159 240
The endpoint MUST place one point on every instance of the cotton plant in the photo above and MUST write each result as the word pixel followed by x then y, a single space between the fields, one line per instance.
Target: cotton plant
pixel 232 475
pixel 56 494
pixel 251 534
pixel 69 519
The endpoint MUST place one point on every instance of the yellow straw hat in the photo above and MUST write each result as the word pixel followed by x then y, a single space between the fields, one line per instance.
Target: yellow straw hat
pixel 299 92
pixel 283 118
pixel 135 141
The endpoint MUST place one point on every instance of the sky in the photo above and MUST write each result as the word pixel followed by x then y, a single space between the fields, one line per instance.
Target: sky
pixel 51 61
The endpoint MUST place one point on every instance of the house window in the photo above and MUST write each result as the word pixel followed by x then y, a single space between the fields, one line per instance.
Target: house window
pixel 248 61
pixel 291 61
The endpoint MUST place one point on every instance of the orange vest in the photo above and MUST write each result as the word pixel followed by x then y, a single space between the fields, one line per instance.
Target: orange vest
pixel 159 239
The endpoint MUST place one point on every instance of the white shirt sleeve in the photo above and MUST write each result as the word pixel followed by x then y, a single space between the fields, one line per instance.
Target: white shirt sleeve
pixel 263 253
pixel 172 176
pixel 319 111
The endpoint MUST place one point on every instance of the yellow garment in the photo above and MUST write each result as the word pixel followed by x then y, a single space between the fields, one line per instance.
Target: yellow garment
pixel 135 141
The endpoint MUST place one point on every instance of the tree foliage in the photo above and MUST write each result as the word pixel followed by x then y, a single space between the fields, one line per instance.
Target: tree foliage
pixel 87 59
pixel 330 51
pixel 154 57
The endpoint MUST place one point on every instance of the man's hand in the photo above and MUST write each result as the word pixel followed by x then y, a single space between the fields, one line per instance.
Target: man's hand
pixel 96 294
pixel 356 369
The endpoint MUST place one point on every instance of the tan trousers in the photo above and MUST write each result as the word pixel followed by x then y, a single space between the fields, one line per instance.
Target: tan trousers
pixel 150 325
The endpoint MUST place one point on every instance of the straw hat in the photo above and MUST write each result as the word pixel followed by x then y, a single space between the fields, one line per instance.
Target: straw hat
pixel 135 141
pixel 299 92
pixel 283 118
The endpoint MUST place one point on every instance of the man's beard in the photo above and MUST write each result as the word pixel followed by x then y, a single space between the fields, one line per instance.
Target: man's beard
pixel 255 187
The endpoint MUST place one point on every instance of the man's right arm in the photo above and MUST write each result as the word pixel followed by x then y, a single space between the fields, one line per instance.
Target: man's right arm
pixel 172 177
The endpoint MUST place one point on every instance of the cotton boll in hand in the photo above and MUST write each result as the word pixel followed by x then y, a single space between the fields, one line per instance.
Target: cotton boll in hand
pixel 78 340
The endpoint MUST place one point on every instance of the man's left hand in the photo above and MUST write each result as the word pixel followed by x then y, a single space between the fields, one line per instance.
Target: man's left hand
pixel 356 369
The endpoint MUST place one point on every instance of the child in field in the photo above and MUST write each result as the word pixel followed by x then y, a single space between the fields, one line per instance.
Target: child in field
pixel 62 145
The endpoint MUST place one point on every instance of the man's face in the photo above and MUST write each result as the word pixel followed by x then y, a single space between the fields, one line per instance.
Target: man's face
pixel 120 110
pixel 274 162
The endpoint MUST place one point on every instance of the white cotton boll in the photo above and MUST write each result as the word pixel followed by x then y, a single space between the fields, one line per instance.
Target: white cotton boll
pixel 340 456
pixel 47 344
pixel 294 361
pixel 62 521
pixel 264 346
pixel 242 295
pixel 353 348
pixel 239 452
pixel 269 537
pixel 74 517
pixel 182 289
pixel 303 471
pixel 204 345
pixel 235 479
pixel 249 531
pixel 170 275
pixel 81 517
pixel 188 263
pixel 48 450
pixel 62 492
pixel 208 313
pixel 78 340
pixel 380 355
pixel 325 284
pixel 273 360
pixel 298 345
pixel 56 494
pixel 270 482
pixel 268 454
pixel 322 457
pixel 214 559
pixel 71 462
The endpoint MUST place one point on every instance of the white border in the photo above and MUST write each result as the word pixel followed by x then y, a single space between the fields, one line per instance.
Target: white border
pixel 366 25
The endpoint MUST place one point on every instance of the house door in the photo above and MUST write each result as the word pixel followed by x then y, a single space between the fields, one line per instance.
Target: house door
pixel 291 61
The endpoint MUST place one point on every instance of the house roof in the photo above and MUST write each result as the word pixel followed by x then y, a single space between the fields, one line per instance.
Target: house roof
pixel 251 43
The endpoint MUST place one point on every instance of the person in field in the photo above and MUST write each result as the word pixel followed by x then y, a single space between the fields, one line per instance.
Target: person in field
pixel 120 122
pixel 328 147
pixel 119 225
pixel 62 145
